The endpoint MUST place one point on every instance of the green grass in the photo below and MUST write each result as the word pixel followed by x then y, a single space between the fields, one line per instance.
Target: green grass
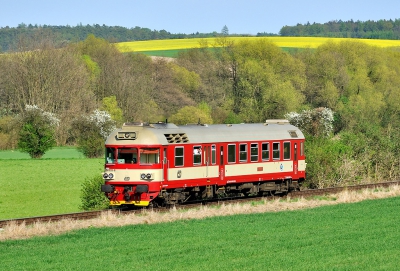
pixel 52 185
pixel 58 152
pixel 360 236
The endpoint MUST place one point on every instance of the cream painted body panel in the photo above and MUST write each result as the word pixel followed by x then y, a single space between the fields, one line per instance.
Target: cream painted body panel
pixel 258 168
pixel 134 175
pixel 199 172
pixel 302 165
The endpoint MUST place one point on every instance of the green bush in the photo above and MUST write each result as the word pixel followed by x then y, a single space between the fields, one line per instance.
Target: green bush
pixel 91 196
pixel 37 132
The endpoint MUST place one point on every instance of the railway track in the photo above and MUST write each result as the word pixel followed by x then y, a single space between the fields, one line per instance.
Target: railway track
pixel 95 214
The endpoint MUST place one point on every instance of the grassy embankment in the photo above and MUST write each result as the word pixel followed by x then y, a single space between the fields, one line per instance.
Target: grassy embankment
pixel 170 48
pixel 359 236
pixel 51 185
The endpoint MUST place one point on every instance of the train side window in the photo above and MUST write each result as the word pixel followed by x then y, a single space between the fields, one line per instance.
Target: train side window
pixel 254 152
pixel 286 150
pixel 276 151
pixel 302 148
pixel 197 155
pixel 213 154
pixel 243 152
pixel 179 156
pixel 231 153
pixel 265 151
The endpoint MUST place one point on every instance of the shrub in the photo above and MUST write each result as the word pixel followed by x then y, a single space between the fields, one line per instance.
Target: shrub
pixel 37 131
pixel 91 132
pixel 91 196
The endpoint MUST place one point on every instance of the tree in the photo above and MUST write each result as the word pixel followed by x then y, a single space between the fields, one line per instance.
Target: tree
pixel 111 106
pixel 37 132
pixel 91 132
pixel 191 115
pixel 225 31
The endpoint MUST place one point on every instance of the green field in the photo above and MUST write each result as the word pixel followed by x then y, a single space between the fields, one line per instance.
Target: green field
pixel 151 46
pixel 51 185
pixel 359 236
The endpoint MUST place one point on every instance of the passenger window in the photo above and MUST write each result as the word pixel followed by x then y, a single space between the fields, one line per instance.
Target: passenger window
pixel 275 151
pixel 254 152
pixel 286 150
pixel 265 151
pixel 231 153
pixel 243 152
pixel 179 156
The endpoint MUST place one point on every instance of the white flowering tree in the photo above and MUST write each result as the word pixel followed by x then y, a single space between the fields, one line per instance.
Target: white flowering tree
pixel 91 132
pixel 36 135
pixel 317 122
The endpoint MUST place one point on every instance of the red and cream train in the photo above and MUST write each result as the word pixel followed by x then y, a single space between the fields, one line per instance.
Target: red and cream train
pixel 161 163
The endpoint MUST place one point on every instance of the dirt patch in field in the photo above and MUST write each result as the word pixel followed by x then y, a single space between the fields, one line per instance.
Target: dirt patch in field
pixel 13 231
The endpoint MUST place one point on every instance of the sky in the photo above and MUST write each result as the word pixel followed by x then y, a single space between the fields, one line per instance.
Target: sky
pixel 191 16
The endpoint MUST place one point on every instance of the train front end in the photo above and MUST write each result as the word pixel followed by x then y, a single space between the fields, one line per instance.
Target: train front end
pixel 133 171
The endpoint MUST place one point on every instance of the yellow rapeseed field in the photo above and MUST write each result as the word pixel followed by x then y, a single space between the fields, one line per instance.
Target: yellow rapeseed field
pixel 294 42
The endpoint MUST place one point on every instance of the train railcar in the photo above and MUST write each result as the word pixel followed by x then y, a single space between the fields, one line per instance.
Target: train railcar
pixel 162 163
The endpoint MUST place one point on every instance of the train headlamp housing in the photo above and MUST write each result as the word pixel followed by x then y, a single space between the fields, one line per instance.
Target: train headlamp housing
pixel 108 176
pixel 146 176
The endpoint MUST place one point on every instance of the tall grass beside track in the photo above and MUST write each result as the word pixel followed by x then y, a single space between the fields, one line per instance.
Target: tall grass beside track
pixel 357 236
pixel 51 185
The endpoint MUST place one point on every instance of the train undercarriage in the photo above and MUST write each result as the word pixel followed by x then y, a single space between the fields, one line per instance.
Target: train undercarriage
pixel 214 192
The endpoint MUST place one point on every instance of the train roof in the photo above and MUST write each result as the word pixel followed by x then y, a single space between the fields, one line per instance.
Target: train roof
pixel 169 133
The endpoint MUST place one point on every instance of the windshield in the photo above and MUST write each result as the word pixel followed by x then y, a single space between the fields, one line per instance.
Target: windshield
pixel 133 156
pixel 127 156
pixel 110 155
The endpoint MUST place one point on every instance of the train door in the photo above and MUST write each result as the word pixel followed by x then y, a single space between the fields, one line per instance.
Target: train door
pixel 221 164
pixel 209 161
pixel 206 158
pixel 295 163
pixel 165 165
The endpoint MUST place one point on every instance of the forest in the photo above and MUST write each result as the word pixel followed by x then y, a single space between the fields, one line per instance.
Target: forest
pixel 381 29
pixel 352 87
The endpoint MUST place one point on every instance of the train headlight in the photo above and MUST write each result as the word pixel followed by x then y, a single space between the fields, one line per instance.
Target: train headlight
pixel 108 176
pixel 146 176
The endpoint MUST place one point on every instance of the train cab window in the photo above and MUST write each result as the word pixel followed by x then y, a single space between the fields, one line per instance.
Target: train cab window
pixel 213 154
pixel 276 155
pixel 254 152
pixel 197 155
pixel 243 152
pixel 265 151
pixel 231 153
pixel 149 156
pixel 127 156
pixel 110 155
pixel 286 150
pixel 179 156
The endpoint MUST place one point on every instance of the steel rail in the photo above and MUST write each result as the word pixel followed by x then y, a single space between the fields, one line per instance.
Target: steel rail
pixel 94 214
